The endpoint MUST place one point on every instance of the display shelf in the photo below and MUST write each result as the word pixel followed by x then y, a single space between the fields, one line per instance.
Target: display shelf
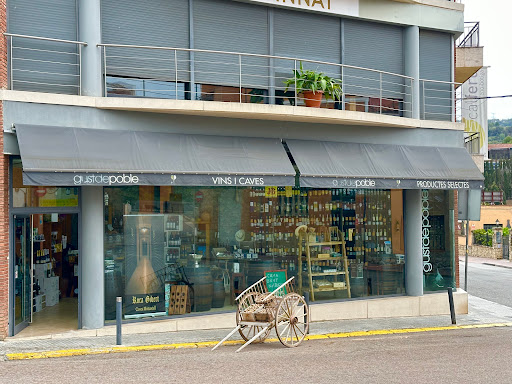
pixel 329 289
pixel 328 273
pixel 305 246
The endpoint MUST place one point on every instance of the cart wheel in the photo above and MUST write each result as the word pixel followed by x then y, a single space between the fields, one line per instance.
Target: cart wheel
pixel 292 320
pixel 249 331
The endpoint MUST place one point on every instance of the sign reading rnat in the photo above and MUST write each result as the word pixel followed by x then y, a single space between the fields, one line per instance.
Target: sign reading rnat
pixel 335 7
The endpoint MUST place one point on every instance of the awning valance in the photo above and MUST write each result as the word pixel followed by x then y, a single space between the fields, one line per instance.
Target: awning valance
pixel 354 165
pixel 63 156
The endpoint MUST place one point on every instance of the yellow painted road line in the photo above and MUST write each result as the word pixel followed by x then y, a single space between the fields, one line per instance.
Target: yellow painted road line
pixel 209 344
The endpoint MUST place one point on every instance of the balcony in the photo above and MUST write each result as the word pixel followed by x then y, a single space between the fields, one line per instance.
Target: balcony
pixel 194 81
pixel 469 55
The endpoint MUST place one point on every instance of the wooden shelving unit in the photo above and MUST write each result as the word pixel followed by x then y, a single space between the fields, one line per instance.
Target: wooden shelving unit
pixel 308 247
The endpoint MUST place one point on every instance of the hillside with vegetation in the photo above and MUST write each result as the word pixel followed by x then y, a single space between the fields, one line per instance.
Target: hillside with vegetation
pixel 500 131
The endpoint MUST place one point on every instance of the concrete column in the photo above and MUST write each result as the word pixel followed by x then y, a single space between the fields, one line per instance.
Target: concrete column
pixel 412 68
pixel 413 238
pixel 93 291
pixel 89 31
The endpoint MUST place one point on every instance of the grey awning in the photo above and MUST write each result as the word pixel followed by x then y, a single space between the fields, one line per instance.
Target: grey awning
pixel 351 165
pixel 64 156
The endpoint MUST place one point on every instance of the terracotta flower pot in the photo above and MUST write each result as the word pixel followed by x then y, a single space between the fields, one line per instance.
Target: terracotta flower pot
pixel 313 99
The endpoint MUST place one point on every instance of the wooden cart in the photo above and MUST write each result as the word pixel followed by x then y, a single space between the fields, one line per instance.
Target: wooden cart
pixel 260 310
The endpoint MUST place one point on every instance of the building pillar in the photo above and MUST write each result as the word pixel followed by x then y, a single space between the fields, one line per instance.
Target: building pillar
pixel 412 69
pixel 413 243
pixel 4 188
pixel 92 271
pixel 89 31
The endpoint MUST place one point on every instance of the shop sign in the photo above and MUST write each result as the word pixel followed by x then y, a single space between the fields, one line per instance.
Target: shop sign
pixel 144 303
pixel 474 108
pixel 238 180
pixel 425 231
pixel 274 279
pixel 40 192
pixel 441 184
pixel 335 7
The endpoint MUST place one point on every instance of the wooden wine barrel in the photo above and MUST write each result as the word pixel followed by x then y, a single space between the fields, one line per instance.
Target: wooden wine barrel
pixel 256 269
pixel 219 294
pixel 202 281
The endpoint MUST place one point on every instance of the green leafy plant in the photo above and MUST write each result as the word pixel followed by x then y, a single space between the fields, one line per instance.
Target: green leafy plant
pixel 314 81
pixel 483 237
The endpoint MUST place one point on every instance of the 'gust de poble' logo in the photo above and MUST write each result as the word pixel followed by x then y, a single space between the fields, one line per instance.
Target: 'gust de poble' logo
pixel 123 179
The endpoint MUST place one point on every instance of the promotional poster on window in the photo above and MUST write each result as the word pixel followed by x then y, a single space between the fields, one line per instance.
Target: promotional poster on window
pixel 145 266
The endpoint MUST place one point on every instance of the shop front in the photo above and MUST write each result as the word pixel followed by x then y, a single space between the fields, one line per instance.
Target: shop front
pixel 186 222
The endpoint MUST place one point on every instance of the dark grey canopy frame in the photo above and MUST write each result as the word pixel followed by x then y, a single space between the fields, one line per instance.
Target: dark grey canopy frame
pixel 63 156
pixel 353 165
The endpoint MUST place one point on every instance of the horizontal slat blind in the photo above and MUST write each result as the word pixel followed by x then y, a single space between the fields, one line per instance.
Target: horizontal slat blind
pixel 230 26
pixel 160 23
pixel 374 46
pixel 308 36
pixel 435 64
pixel 44 66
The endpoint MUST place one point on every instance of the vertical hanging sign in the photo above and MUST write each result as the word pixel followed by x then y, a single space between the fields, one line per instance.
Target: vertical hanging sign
pixel 425 231
pixel 474 107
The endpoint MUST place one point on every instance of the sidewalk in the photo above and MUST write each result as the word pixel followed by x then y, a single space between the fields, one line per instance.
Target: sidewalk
pixel 481 260
pixel 480 312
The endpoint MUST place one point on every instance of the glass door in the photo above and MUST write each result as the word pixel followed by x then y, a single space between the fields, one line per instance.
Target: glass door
pixel 22 273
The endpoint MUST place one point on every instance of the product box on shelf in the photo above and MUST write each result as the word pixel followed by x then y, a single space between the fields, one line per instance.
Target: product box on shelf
pixel 52 299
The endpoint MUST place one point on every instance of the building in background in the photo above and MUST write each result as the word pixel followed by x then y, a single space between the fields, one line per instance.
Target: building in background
pixel 152 146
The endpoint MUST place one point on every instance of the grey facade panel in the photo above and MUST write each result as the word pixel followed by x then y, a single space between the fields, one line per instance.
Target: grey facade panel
pixel 232 27
pixel 158 23
pixel 309 36
pixel 374 46
pixel 435 64
pixel 44 66
pixel 84 117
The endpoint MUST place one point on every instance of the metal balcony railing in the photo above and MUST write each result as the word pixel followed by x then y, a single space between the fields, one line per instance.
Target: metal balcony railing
pixel 440 100
pixel 196 74
pixel 471 36
pixel 44 64
pixel 55 66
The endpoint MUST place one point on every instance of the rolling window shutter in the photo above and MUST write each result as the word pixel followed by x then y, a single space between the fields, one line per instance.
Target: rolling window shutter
pixel 373 46
pixel 232 27
pixel 159 23
pixel 305 35
pixel 435 64
pixel 44 66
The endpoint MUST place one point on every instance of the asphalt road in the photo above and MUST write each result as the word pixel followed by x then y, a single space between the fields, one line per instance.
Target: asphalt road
pixel 457 356
pixel 489 282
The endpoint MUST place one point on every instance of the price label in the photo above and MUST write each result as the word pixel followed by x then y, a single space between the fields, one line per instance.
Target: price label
pixel 270 192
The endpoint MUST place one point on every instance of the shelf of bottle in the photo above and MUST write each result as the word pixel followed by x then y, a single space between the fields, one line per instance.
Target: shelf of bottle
pixel 329 289
pixel 322 258
pixel 325 243
pixel 328 273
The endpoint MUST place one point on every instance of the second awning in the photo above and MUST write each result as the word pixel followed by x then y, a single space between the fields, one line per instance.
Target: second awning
pixel 325 164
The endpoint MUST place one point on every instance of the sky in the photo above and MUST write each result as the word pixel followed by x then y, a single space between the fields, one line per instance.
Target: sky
pixel 496 38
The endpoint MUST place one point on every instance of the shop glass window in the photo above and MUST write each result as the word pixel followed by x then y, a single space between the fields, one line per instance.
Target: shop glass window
pixel 438 239
pixel 175 250
pixel 39 196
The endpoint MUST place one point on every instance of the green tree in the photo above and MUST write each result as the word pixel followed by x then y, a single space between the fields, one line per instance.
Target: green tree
pixel 507 140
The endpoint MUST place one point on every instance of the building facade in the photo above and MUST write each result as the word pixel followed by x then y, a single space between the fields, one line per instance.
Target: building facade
pixel 153 151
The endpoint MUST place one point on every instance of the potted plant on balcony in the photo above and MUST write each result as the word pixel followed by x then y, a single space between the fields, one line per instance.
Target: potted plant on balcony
pixel 313 85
